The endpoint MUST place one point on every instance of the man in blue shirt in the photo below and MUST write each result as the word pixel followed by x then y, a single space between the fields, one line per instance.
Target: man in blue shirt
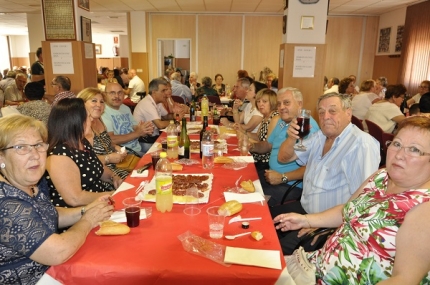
pixel 281 175
pixel 338 159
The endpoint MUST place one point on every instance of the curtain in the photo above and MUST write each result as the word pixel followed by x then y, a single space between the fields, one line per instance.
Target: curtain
pixel 415 58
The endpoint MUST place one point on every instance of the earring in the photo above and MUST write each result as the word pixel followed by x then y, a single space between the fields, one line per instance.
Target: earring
pixel 2 165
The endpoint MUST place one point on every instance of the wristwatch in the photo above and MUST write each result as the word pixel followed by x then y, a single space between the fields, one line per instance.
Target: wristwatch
pixel 284 178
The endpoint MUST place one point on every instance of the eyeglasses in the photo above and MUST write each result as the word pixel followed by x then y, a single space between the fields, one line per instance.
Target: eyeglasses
pixel 409 150
pixel 424 87
pixel 113 93
pixel 53 83
pixel 26 148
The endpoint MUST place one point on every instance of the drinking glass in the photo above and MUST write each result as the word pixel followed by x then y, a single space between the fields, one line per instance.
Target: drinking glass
pixel 303 120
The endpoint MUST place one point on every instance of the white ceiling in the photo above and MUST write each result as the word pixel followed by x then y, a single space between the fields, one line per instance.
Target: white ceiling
pixel 109 15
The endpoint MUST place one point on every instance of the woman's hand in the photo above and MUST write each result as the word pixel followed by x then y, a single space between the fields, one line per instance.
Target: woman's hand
pixel 290 221
pixel 98 211
pixel 237 103
pixel 273 177
pixel 116 157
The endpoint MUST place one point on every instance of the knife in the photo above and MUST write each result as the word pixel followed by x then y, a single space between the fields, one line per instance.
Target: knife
pixel 143 168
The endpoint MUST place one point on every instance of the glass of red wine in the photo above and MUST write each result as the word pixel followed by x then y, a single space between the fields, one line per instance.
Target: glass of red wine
pixel 303 120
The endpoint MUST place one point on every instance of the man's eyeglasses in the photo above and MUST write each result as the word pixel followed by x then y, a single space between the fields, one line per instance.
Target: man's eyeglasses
pixel 113 93
pixel 409 150
pixel 26 148
pixel 424 87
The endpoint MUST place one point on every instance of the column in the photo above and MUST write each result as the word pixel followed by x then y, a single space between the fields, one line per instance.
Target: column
pixel 137 43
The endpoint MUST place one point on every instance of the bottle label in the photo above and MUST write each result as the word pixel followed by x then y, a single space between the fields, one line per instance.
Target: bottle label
pixel 172 141
pixel 163 184
pixel 207 149
pixel 181 150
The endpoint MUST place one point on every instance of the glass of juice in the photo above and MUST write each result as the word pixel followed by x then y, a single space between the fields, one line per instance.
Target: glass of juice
pixel 132 211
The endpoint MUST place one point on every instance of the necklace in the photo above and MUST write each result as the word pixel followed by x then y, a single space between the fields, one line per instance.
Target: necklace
pixel 32 187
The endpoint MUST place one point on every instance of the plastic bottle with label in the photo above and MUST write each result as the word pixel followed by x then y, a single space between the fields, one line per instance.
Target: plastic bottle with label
pixel 204 106
pixel 184 141
pixel 207 147
pixel 163 184
pixel 172 141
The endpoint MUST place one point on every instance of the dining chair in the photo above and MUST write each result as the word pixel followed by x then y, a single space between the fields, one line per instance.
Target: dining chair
pixel 141 94
pixel 178 99
pixel 376 132
pixel 214 99
pixel 356 121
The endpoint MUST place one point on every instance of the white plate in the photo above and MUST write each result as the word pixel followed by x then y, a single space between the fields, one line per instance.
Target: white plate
pixel 179 199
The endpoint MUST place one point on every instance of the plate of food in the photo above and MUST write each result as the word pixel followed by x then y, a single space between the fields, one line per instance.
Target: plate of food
pixel 195 145
pixel 181 182
pixel 196 128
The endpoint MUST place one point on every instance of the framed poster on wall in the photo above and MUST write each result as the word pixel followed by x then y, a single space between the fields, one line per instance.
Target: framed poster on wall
pixel 59 20
pixel 84 4
pixel 86 33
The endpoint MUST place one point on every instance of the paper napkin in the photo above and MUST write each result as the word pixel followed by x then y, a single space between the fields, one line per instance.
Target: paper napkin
pixel 253 257
pixel 119 216
pixel 143 174
pixel 123 187
pixel 244 198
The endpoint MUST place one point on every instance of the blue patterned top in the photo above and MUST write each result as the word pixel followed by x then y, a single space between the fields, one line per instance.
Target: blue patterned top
pixel 25 223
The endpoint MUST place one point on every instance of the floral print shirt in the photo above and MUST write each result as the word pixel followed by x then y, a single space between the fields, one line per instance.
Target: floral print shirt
pixel 363 248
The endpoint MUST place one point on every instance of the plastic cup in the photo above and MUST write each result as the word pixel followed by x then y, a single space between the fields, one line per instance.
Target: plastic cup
pixel 132 211
pixel 148 211
pixel 192 201
pixel 216 223
pixel 155 155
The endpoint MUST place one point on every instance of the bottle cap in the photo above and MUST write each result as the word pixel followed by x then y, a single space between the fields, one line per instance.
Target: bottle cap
pixel 245 225
pixel 163 154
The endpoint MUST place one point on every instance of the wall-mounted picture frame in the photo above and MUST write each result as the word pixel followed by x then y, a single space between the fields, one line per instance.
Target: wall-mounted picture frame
pixel 84 4
pixel 98 49
pixel 86 30
pixel 307 23
pixel 59 28
pixel 384 40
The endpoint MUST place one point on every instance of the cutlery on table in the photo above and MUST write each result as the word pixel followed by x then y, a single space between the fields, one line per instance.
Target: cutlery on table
pixel 238 218
pixel 236 236
pixel 141 186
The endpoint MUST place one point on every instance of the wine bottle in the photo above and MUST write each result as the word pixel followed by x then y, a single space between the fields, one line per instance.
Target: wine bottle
pixel 184 141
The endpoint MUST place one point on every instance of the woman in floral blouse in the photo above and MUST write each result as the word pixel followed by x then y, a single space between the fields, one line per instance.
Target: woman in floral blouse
pixel 384 230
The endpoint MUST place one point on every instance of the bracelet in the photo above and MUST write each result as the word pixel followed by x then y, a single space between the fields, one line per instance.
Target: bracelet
pixel 309 224
pixel 107 159
pixel 82 211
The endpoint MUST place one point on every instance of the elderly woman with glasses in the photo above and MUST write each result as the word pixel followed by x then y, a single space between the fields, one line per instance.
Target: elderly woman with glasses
pixel 74 173
pixel 29 243
pixel 423 88
pixel 383 231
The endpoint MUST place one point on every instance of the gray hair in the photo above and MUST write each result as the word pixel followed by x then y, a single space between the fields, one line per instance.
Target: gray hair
pixel 207 81
pixel 296 93
pixel 175 76
pixel 345 99
pixel 244 82
pixel 153 85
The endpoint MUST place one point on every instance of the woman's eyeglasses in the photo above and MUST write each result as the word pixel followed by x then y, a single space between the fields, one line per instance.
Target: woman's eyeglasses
pixel 409 150
pixel 26 148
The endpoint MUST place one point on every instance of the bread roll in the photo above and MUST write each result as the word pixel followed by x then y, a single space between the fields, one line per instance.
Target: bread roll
pixel 248 186
pixel 176 166
pixel 111 228
pixel 230 208
pixel 223 159
pixel 257 235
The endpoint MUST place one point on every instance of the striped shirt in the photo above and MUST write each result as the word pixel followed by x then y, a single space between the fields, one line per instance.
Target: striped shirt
pixel 331 179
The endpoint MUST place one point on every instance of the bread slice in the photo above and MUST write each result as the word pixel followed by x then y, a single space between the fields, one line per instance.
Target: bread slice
pixel 248 186
pixel 223 159
pixel 176 166
pixel 257 235
pixel 111 228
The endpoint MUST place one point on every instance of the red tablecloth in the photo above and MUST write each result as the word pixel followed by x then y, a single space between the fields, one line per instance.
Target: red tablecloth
pixel 152 253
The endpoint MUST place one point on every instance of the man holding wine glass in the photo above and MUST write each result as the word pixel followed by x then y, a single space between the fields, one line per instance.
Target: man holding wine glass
pixel 338 158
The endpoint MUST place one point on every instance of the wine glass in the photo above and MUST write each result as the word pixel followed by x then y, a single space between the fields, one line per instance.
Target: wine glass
pixel 303 121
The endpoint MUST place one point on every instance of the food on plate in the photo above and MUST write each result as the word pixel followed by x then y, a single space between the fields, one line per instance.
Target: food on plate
pixel 111 228
pixel 248 186
pixel 223 159
pixel 230 208
pixel 182 182
pixel 176 166
pixel 195 146
pixel 257 235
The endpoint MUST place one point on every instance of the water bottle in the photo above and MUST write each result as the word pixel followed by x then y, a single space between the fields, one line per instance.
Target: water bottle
pixel 184 141
pixel 205 124
pixel 172 141
pixel 163 184
pixel 204 106
pixel 207 149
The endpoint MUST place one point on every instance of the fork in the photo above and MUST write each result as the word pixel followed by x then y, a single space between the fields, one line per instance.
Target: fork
pixel 237 181
pixel 141 186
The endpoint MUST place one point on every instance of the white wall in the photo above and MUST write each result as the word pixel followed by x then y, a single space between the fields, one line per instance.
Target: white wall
pixel 19 46
pixel 4 59
pixel 106 41
pixel 391 19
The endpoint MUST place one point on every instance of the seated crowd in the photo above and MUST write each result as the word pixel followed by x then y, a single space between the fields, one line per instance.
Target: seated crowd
pixel 374 210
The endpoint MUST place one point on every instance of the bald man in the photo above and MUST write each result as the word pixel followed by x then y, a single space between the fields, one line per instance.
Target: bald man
pixel 135 85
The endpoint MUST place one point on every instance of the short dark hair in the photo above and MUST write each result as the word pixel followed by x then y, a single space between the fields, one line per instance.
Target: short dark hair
pixel 335 80
pixel 343 84
pixel 34 91
pixel 425 103
pixel 259 86
pixel 414 109
pixel 218 74
pixel 38 52
pixel 207 81
pixel 66 123
pixel 64 82
pixel 395 91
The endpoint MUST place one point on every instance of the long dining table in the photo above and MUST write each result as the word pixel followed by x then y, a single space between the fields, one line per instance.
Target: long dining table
pixel 152 253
